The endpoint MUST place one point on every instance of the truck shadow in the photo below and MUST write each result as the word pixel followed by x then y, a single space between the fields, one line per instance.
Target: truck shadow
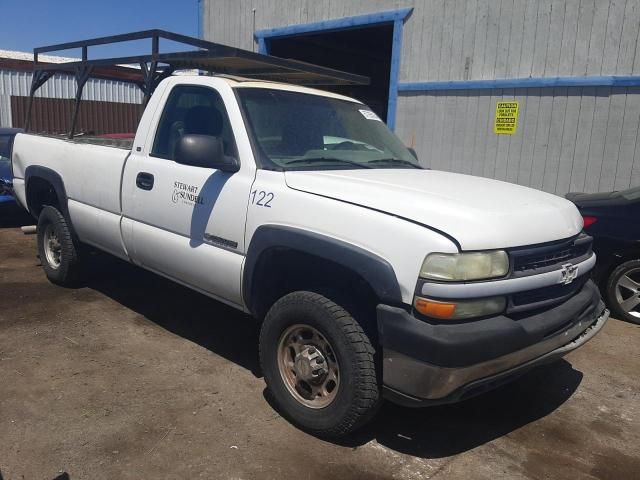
pixel 432 432
pixel 445 430
pixel 180 310
pixel 12 216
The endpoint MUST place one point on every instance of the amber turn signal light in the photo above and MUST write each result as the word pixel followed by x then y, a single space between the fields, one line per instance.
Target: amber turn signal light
pixel 434 309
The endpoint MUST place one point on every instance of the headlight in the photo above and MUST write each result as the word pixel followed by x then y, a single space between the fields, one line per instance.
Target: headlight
pixel 451 267
pixel 460 309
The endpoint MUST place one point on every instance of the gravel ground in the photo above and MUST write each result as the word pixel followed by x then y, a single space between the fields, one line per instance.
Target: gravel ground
pixel 134 376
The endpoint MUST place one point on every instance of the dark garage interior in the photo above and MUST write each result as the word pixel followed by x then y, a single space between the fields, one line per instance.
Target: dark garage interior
pixel 364 51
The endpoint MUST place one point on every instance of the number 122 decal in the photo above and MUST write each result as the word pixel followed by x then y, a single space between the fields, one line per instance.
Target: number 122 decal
pixel 262 198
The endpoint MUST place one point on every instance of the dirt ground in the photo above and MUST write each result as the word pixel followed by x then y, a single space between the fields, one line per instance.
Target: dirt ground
pixel 133 376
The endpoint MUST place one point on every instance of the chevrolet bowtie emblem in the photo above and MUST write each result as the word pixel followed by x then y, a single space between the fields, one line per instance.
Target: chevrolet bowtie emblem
pixel 568 273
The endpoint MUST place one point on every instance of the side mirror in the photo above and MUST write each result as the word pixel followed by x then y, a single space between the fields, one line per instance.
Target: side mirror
pixel 204 151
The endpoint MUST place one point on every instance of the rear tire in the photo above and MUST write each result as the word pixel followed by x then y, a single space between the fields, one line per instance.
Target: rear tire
pixel 623 291
pixel 57 249
pixel 318 365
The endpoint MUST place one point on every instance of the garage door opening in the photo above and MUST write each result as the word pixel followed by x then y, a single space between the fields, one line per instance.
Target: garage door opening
pixel 364 51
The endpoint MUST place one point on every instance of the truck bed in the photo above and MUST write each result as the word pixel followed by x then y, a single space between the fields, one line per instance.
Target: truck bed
pixel 91 169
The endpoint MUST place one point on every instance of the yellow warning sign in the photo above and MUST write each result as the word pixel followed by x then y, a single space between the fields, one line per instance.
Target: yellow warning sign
pixel 506 117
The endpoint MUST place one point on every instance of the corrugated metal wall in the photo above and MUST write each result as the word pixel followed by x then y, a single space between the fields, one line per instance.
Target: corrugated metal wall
pixel 17 83
pixel 570 138
pixel 53 115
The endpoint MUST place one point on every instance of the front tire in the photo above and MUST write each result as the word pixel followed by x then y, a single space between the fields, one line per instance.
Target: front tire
pixel 57 249
pixel 623 291
pixel 318 365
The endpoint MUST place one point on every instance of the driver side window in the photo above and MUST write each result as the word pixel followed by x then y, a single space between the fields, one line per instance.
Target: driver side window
pixel 192 110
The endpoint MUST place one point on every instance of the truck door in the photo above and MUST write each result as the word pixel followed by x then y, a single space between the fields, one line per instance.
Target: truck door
pixel 186 222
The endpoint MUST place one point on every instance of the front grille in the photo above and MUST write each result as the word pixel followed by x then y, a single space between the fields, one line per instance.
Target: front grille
pixel 532 260
pixel 547 295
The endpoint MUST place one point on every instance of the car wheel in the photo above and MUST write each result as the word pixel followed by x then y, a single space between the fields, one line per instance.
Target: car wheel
pixel 623 291
pixel 318 364
pixel 57 250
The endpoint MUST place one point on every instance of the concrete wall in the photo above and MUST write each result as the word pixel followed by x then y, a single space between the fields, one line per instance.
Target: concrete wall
pixel 568 138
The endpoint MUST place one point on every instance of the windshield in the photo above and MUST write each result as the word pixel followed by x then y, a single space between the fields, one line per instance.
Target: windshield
pixel 302 131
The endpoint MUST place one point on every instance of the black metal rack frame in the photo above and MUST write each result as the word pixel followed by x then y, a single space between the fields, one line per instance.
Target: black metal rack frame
pixel 210 57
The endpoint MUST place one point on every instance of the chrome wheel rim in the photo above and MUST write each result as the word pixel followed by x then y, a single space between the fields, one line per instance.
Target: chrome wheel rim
pixel 52 247
pixel 628 292
pixel 308 366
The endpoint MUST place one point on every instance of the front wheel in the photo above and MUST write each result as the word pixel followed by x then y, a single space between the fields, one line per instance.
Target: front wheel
pixel 57 249
pixel 318 364
pixel 623 291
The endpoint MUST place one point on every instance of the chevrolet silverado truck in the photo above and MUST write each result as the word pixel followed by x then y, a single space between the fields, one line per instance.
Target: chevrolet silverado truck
pixel 372 276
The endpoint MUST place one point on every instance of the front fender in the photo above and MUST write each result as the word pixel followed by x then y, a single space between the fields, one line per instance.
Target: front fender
pixel 375 270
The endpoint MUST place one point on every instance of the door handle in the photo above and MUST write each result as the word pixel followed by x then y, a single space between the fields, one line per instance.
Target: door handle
pixel 144 181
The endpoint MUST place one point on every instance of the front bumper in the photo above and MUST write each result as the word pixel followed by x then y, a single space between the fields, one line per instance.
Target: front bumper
pixel 425 363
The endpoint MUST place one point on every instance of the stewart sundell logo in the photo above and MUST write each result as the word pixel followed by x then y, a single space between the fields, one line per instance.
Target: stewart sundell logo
pixel 187 194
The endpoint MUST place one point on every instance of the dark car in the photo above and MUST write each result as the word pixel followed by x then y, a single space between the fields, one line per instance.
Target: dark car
pixel 9 208
pixel 613 220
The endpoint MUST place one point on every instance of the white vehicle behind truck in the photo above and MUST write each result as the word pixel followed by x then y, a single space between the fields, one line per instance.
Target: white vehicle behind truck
pixel 372 276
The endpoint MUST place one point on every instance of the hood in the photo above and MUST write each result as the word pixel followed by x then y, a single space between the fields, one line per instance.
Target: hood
pixel 478 212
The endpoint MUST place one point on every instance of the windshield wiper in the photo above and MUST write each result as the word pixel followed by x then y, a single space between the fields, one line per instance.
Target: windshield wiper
pixel 396 160
pixel 327 159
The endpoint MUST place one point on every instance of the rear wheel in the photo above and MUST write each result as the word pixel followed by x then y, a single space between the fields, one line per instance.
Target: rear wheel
pixel 623 291
pixel 318 364
pixel 57 249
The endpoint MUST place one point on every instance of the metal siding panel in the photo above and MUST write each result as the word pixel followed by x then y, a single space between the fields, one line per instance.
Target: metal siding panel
pixel 529 125
pixel 5 111
pixel 613 37
pixel 491 144
pixel 491 47
pixel 444 55
pixel 460 133
pixel 52 115
pixel 629 134
pixel 515 38
pixel 629 38
pixel 516 143
pixel 635 169
pixel 456 63
pixel 469 35
pixel 470 127
pixel 569 35
pixel 453 105
pixel 613 137
pixel 438 130
pixel 528 39
pixel 583 35
pixel 581 152
pixel 568 142
pixel 554 45
pixel 433 58
pixel 541 141
pixel 556 135
pixel 481 133
pixel 541 43
pixel 504 36
pixel 413 48
pixel 597 138
pixel 597 37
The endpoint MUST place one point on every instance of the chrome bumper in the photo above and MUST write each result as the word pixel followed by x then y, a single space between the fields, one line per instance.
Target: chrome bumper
pixel 433 384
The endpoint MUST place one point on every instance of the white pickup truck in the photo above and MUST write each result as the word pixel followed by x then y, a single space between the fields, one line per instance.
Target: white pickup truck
pixel 371 275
